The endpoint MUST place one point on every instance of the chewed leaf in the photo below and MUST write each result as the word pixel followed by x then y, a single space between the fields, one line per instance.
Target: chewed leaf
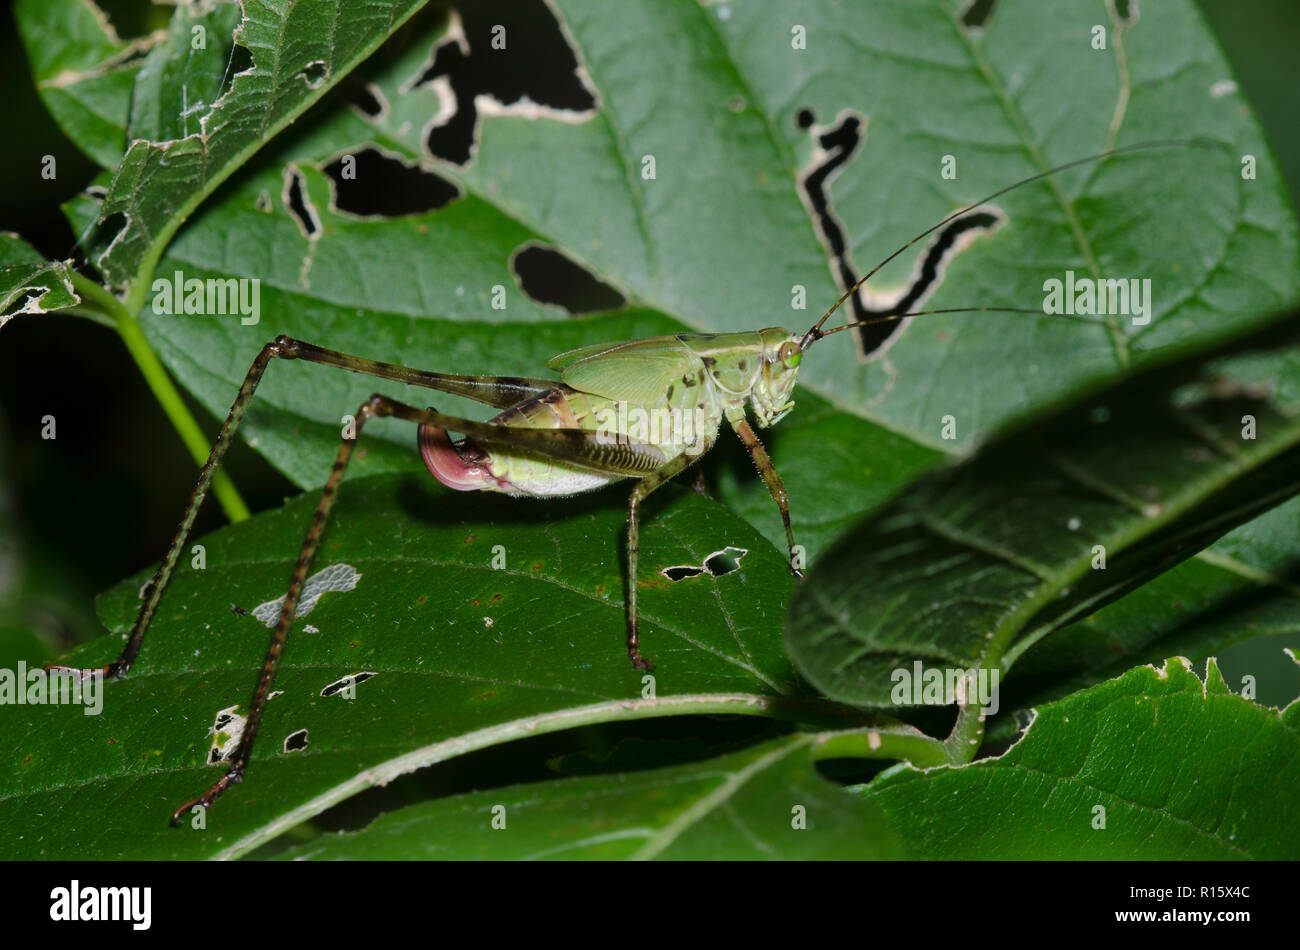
pixel 336 577
pixel 84 73
pixel 1154 765
pixel 296 53
pixel 226 731
pixel 403 672
pixel 726 561
pixel 29 283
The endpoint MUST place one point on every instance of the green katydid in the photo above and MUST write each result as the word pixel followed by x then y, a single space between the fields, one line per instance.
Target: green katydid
pixel 553 438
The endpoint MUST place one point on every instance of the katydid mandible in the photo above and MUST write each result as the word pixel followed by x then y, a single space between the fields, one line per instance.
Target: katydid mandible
pixel 553 438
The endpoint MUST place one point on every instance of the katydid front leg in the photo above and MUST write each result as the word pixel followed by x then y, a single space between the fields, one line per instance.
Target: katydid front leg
pixel 736 417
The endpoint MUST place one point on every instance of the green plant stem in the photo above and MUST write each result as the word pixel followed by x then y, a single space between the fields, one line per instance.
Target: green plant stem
pixel 967 733
pixel 898 742
pixel 164 391
pixel 906 743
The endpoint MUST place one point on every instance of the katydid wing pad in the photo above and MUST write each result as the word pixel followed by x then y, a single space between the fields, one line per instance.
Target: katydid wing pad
pixel 638 371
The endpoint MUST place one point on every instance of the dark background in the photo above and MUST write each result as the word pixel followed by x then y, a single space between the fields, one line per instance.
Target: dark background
pixel 102 500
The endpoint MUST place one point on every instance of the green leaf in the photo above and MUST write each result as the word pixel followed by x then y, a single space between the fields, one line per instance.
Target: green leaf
pixel 1183 769
pixel 83 71
pixel 745 806
pixel 974 566
pixel 464 657
pixel 29 283
pixel 717 239
pixel 298 50
pixel 1241 587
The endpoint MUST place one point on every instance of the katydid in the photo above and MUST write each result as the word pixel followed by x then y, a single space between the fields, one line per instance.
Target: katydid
pixel 553 438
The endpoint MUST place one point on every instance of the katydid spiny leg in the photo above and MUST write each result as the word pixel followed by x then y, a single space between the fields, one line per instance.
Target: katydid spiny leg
pixel 154 589
pixel 374 406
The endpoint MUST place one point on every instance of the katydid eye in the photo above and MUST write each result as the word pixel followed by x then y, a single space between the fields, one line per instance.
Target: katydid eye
pixel 790 354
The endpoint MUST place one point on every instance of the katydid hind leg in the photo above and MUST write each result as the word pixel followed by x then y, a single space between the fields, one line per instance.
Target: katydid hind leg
pixel 500 392
pixel 275 650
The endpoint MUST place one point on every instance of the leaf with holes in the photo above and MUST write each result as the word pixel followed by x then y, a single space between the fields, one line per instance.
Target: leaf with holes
pixel 1154 765
pixel 29 283
pixel 85 74
pixel 974 566
pixel 415 650
pixel 291 55
pixel 693 167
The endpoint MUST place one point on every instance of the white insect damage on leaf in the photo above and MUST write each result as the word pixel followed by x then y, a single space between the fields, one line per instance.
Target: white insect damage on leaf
pixel 226 731
pixel 37 280
pixel 315 73
pixel 351 680
pixel 293 193
pixel 33 296
pixel 525 108
pixel 336 577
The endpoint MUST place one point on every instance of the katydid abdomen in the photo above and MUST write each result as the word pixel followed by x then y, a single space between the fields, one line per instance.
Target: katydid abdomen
pixel 686 419
pixel 468 466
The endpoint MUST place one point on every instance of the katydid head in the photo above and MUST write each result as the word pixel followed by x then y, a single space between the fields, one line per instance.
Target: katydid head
pixel 770 395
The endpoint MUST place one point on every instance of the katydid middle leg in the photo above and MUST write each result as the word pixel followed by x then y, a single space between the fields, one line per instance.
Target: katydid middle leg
pixel 643 489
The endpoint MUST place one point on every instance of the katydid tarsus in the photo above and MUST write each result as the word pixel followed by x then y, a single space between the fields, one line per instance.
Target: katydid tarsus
pixel 554 438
